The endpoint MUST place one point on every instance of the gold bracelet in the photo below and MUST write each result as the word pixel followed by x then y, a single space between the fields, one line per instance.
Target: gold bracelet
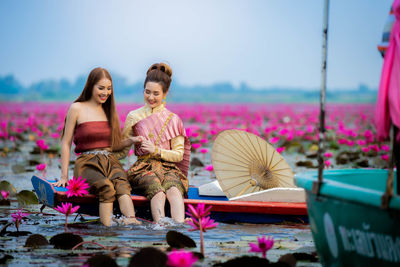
pixel 156 150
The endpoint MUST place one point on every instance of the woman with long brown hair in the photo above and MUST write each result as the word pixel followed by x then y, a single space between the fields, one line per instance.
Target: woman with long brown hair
pixel 92 123
pixel 162 148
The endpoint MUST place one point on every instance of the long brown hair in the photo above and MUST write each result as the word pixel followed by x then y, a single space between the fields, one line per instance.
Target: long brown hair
pixel 159 73
pixel 109 106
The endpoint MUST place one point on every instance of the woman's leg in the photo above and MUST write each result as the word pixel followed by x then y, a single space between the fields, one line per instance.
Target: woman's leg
pixel 157 205
pixel 123 190
pixel 91 167
pixel 126 207
pixel 175 199
pixel 105 212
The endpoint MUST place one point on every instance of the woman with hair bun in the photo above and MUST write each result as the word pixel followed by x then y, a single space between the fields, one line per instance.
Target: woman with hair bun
pixel 163 153
pixel 92 123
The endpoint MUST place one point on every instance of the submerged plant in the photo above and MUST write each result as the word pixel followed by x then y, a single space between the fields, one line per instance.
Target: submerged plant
pixel 262 246
pixel 77 187
pixel 67 209
pixel 200 221
pixel 181 258
pixel 17 217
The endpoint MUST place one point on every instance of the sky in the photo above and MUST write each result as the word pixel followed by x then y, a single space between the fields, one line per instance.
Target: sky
pixel 263 43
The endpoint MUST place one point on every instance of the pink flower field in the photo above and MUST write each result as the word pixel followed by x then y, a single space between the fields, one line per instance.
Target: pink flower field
pixel 290 128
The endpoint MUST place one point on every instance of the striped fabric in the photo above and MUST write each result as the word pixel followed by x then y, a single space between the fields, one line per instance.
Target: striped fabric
pixel 383 45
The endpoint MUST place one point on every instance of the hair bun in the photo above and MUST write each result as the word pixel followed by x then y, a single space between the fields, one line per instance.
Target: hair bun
pixel 163 67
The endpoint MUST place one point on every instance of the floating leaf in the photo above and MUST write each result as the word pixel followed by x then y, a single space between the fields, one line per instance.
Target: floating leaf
pixel 179 240
pixel 102 260
pixel 148 256
pixel 18 168
pixel 7 186
pixel 36 240
pixel 65 240
pixel 306 163
pixel 26 197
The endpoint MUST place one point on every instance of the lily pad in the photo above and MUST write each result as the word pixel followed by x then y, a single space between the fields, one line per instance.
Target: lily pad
pixel 179 240
pixel 195 162
pixel 18 168
pixel 65 240
pixel 7 186
pixel 26 197
pixel 102 260
pixel 148 256
pixel 305 163
pixel 36 241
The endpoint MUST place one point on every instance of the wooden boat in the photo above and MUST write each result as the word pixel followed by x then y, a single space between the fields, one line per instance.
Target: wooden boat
pixel 222 210
pixel 349 226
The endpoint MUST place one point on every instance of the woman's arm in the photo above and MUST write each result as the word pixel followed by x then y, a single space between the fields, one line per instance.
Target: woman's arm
pixel 175 154
pixel 127 137
pixel 66 142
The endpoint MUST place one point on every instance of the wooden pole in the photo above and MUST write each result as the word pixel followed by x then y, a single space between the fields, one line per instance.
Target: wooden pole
pixel 321 131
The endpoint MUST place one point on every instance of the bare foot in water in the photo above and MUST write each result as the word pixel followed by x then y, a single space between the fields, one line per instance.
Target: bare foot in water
pixel 131 220
pixel 188 220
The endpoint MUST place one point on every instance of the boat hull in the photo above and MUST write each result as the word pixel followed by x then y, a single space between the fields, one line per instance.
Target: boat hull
pixel 222 210
pixel 347 231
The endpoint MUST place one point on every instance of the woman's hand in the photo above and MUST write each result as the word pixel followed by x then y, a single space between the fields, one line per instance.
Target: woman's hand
pixel 137 139
pixel 63 182
pixel 148 146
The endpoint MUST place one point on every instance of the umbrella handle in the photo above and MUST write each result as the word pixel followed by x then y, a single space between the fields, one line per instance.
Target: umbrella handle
pixel 252 183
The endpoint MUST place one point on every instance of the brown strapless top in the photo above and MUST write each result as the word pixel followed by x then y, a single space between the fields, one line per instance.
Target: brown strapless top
pixel 92 135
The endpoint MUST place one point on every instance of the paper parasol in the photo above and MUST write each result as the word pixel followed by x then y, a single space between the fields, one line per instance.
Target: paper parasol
pixel 245 163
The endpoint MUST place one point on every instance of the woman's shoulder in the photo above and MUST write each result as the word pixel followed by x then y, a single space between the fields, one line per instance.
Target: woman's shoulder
pixel 175 117
pixel 75 107
pixel 136 112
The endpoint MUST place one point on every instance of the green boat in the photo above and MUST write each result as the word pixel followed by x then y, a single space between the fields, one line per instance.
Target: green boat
pixel 349 226
pixel 354 214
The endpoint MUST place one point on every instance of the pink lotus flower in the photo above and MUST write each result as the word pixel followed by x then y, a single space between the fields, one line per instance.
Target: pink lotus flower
pixel 5 194
pixel 374 148
pixel 204 150
pixel 41 166
pixel 327 163
pixel 342 141
pixel 203 224
pixel 41 144
pixel 385 157
pixel 361 142
pixel 350 143
pixel 195 134
pixel 273 140
pixel 209 168
pixel 385 148
pixel 368 133
pixel 55 135
pixel 198 212
pixel 263 245
pixel 328 154
pixel 130 153
pixel 77 187
pixel 67 209
pixel 204 140
pixel 17 217
pixel 196 145
pixel 200 221
pixel 365 149
pixel 280 149
pixel 181 258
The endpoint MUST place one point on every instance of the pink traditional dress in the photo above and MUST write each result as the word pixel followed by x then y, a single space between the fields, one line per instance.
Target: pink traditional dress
pixel 388 103
pixel 151 174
